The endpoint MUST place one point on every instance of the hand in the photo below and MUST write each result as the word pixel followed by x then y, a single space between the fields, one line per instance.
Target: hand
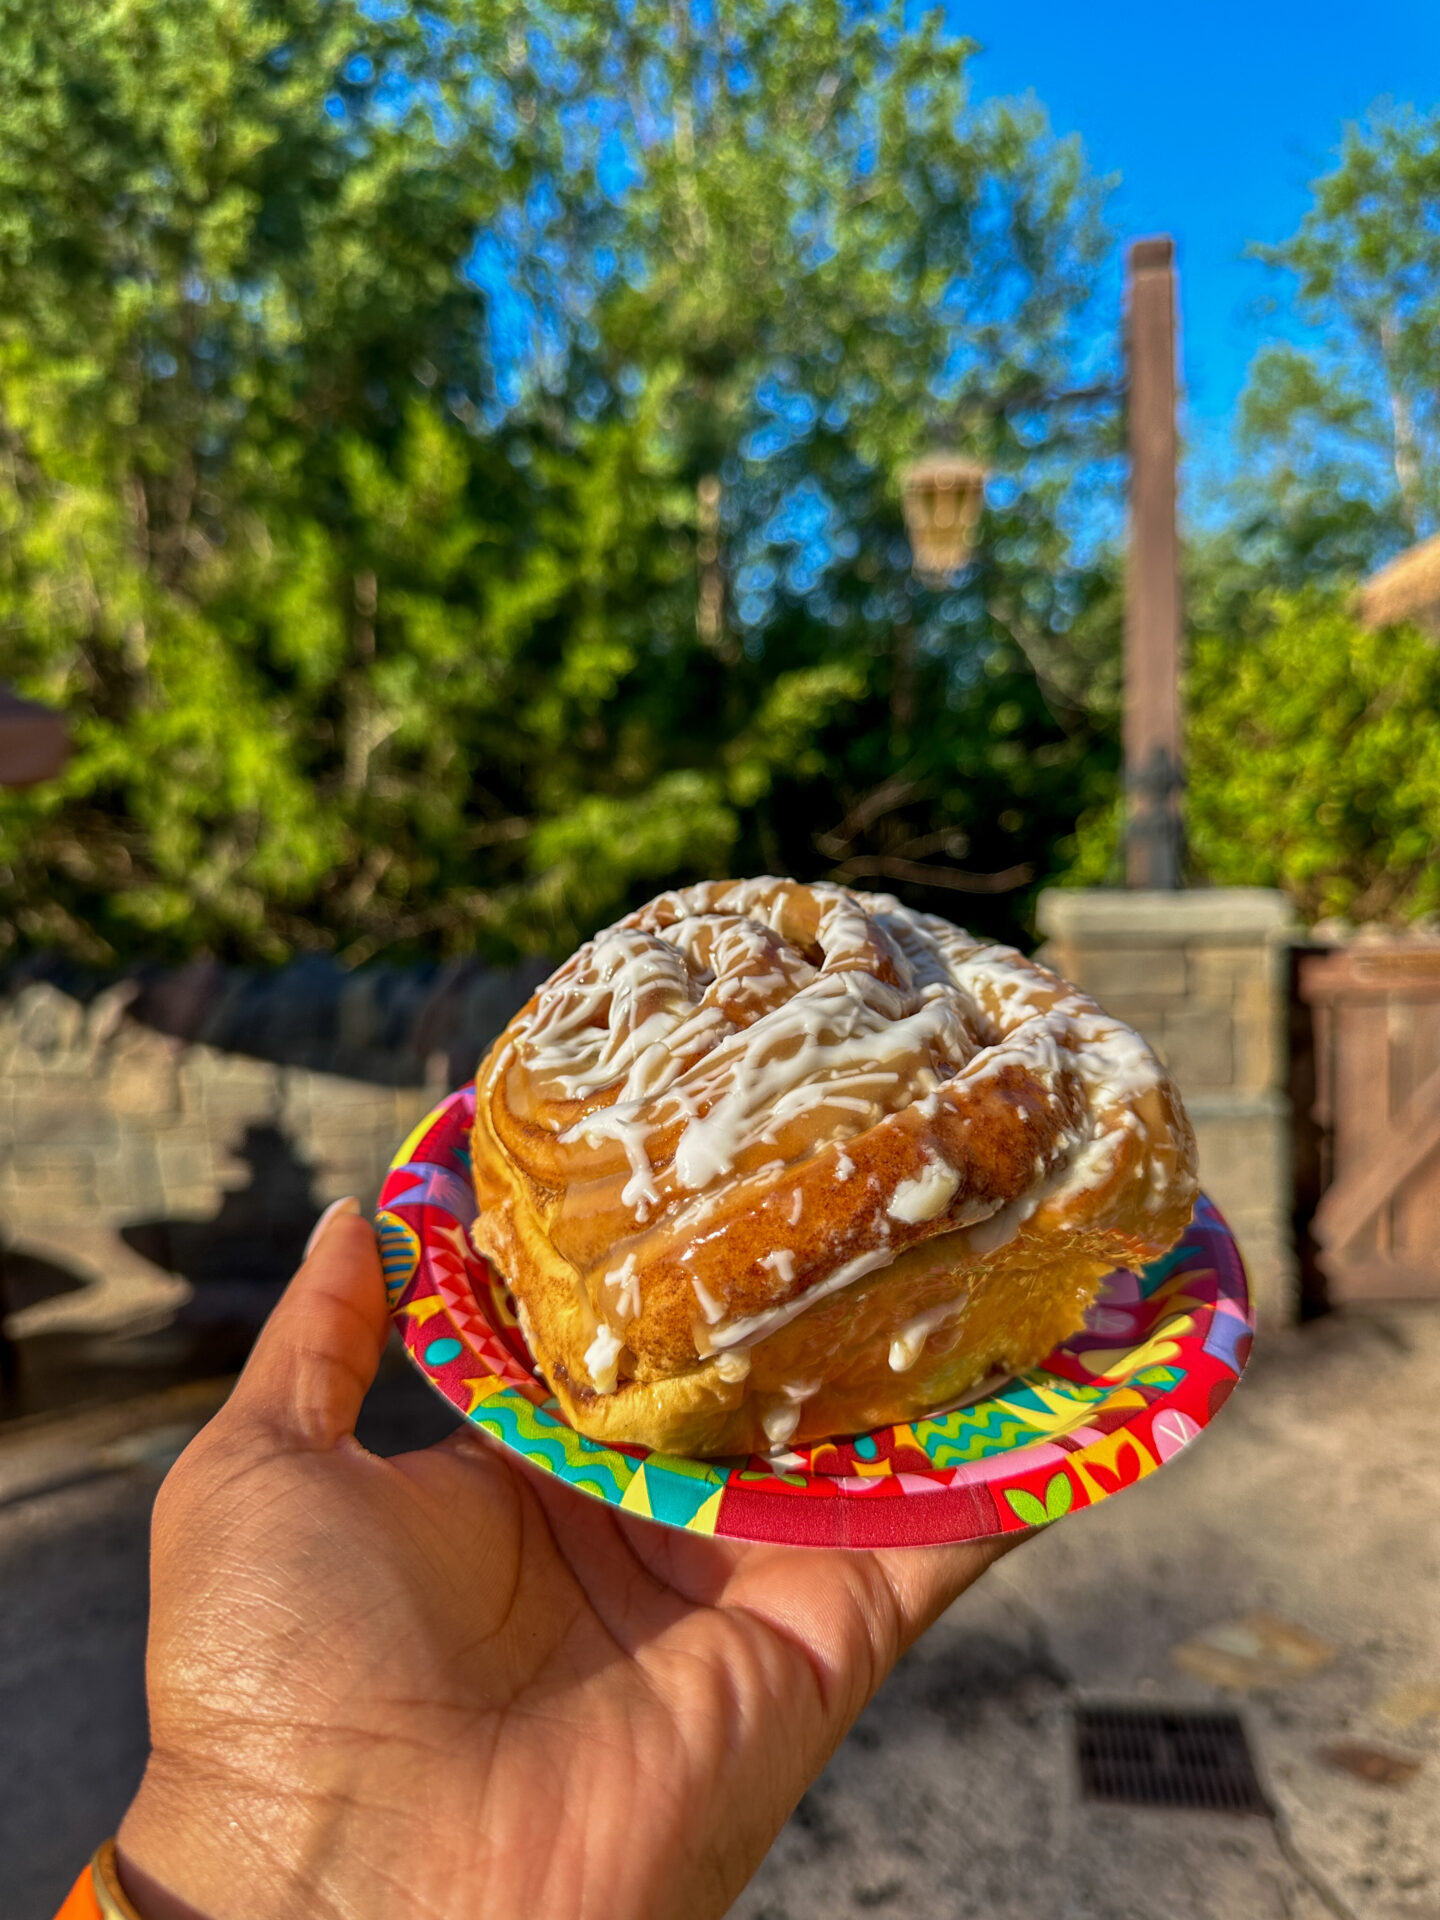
pixel 447 1685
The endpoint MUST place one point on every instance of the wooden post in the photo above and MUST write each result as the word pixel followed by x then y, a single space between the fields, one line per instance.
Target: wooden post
pixel 1152 584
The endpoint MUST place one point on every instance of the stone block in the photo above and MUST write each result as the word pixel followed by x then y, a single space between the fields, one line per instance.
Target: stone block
pixel 362 1180
pixel 360 1134
pixel 70 1078
pixel 352 1133
pixel 46 1024
pixel 1134 974
pixel 226 1086
pixel 128 1184
pixel 143 1077
pixel 1196 1045
pixel 354 1170
pixel 1245 1168
pixel 324 1099
pixel 411 1104
pixel 1116 916
pixel 1261 1043
pixel 1216 973
pixel 327 1156
pixel 47 1181
pixel 191 1161
pixel 1221 1028
pixel 353 1128
pixel 68 1117
pixel 47 1157
pixel 1236 1171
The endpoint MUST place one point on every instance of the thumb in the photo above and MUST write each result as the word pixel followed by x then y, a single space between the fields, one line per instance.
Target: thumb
pixel 317 1353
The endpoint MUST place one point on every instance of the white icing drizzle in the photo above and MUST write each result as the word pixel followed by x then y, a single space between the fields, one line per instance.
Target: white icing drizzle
pixel 755 1326
pixel 709 1305
pixel 782 1264
pixel 780 1422
pixel 706 1019
pixel 733 1367
pixel 623 1284
pixel 926 1196
pixel 906 1347
pixel 602 1357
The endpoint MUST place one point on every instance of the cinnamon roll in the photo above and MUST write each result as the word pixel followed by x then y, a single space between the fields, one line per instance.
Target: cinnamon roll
pixel 766 1162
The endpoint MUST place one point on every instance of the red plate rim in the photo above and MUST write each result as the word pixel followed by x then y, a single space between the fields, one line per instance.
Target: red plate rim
pixel 1161 1353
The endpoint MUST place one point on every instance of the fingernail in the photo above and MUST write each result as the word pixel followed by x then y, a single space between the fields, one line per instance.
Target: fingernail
pixel 349 1204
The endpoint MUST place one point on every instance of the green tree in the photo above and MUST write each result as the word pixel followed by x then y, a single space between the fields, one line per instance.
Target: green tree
pixel 229 239
pixel 449 466
pixel 1340 431
pixel 1315 760
pixel 1311 763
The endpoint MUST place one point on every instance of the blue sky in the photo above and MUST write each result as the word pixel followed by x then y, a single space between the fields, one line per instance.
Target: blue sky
pixel 1216 115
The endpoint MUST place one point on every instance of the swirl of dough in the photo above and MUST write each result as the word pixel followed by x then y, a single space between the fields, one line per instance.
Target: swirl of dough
pixel 741 1100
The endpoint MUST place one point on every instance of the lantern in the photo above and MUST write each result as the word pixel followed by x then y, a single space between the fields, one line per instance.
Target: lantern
pixel 942 496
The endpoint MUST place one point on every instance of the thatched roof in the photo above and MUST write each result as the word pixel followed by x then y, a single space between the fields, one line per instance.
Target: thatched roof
pixel 1407 589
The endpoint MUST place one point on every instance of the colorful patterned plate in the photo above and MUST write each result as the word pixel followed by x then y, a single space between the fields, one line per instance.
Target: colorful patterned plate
pixel 1161 1352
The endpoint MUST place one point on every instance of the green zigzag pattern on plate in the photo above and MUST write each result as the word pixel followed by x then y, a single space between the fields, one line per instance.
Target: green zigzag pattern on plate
pixel 1004 1436
pixel 550 1443
pixel 979 1432
pixel 399 1253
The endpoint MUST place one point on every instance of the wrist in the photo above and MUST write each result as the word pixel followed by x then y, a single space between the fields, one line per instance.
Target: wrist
pixel 103 1893
pixel 193 1848
pixel 145 1897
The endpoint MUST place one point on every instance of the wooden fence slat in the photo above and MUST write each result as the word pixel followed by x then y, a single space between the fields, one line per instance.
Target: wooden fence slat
pixel 1412 1136
pixel 1378 1278
pixel 1416 1207
pixel 1376 1010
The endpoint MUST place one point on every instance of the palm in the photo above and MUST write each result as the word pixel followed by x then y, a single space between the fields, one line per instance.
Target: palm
pixel 465 1677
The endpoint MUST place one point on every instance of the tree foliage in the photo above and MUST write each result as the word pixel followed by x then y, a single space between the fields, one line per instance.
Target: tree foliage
pixel 1340 429
pixel 448 466
pixel 1315 760
pixel 1311 744
pixel 1312 763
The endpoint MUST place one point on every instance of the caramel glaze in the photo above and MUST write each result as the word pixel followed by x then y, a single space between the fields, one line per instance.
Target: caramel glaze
pixel 767 1162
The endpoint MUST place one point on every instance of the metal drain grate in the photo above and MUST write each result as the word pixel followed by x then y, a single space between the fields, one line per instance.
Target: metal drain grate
pixel 1166 1757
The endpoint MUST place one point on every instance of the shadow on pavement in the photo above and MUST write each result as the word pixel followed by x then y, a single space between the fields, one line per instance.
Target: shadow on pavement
pixel 236 1264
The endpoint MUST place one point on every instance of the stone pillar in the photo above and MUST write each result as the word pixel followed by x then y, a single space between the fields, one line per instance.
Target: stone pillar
pixel 1204 975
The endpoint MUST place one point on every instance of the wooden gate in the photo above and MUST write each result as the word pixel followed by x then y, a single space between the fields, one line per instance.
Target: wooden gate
pixel 1376 1013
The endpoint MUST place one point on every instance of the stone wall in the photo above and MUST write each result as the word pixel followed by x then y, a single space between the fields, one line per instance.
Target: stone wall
pixel 166 1140
pixel 1204 975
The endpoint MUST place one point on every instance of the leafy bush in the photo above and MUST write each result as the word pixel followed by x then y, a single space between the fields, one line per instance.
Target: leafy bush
pixel 448 467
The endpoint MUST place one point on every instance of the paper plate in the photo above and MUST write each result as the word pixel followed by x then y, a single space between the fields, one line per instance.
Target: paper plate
pixel 1161 1352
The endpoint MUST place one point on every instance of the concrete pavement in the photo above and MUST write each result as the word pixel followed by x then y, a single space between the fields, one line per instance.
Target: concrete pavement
pixel 1316 1497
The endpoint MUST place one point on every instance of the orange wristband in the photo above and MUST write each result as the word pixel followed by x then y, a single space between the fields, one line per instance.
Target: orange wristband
pixel 98 1894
